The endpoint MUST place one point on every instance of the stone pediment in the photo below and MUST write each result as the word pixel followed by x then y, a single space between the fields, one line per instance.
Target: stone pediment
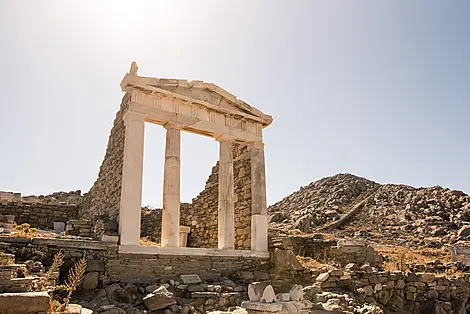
pixel 198 92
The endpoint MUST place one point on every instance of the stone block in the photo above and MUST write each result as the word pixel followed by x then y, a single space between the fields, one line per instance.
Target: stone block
pixel 24 303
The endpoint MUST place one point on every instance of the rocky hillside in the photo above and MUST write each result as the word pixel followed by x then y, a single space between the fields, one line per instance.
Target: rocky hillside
pixel 389 213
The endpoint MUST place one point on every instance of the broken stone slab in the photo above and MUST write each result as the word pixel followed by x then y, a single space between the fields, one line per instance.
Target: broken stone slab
pixel 24 303
pixel 282 297
pixel 265 307
pixel 190 279
pixel 59 226
pixel 296 293
pixel 269 295
pixel 345 242
pixel 110 238
pixel 159 299
pixel 255 290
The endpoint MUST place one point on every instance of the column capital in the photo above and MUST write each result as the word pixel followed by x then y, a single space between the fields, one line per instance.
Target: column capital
pixel 130 115
pixel 173 126
pixel 259 145
pixel 224 138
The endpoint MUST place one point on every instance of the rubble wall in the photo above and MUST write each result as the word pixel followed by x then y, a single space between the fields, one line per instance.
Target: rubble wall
pixel 39 215
pixel 201 216
pixel 115 267
pixel 135 267
pixel 102 202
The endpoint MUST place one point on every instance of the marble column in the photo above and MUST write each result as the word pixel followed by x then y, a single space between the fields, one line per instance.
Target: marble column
pixel 226 214
pixel 259 212
pixel 171 187
pixel 131 188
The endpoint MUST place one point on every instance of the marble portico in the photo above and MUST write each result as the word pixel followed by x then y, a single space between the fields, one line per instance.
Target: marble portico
pixel 205 109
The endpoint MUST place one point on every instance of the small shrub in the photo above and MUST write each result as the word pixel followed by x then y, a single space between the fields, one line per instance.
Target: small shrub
pixel 61 295
pixel 24 230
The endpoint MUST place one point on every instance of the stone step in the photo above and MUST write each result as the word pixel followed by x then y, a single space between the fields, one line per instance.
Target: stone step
pixel 10 271
pixel 24 303
pixel 17 284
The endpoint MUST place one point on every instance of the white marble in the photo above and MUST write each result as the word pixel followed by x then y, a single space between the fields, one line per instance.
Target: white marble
pixel 171 188
pixel 226 207
pixel 131 190
pixel 156 250
pixel 259 233
pixel 269 296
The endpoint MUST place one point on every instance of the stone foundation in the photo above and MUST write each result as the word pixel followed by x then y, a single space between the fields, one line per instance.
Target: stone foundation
pixel 116 267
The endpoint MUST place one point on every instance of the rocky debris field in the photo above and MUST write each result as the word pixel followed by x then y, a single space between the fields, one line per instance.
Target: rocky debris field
pixel 320 202
pixel 389 214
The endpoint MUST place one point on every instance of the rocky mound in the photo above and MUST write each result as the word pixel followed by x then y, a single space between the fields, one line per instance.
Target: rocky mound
pixel 320 202
pixel 389 213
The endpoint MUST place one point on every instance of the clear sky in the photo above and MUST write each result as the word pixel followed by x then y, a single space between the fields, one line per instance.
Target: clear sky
pixel 380 89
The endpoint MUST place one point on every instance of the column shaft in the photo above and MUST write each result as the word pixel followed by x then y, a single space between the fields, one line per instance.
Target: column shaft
pixel 171 189
pixel 259 212
pixel 131 189
pixel 226 215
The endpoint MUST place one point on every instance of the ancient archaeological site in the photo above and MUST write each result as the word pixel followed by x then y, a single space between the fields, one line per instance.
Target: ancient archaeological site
pixel 342 244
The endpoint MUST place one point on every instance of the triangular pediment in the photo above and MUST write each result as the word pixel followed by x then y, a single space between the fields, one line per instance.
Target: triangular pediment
pixel 195 91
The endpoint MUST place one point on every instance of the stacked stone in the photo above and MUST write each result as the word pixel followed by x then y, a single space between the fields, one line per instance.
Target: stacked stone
pixel 201 216
pixel 355 251
pixel 151 224
pixel 242 187
pixel 103 199
pixel 6 223
pixel 104 226
pixel 136 267
pixel 392 288
pixel 38 215
pixel 78 227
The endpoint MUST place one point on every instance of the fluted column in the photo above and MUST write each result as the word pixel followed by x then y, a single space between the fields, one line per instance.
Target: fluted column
pixel 226 215
pixel 131 188
pixel 259 212
pixel 171 187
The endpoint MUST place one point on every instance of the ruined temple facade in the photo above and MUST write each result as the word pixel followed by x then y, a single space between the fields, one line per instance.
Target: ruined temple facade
pixel 235 191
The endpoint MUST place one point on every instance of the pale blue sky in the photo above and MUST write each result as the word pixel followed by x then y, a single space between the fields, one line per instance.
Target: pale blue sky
pixel 380 89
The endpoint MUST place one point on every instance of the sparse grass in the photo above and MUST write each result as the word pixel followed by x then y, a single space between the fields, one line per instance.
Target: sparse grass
pixel 145 241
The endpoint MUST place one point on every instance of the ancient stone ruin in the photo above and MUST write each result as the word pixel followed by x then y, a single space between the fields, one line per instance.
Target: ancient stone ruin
pixel 201 108
pixel 331 247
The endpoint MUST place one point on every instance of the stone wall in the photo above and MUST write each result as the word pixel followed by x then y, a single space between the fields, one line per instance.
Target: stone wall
pixel 341 252
pixel 201 216
pixel 39 215
pixel 141 268
pixel 397 291
pixel 102 202
pixel 112 266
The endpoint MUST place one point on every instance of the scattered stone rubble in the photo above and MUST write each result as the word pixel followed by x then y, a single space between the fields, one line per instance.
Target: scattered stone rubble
pixel 390 213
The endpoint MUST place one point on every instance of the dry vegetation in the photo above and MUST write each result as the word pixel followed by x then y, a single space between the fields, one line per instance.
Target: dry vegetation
pixel 145 241
pixel 24 230
pixel 60 297
pixel 398 256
